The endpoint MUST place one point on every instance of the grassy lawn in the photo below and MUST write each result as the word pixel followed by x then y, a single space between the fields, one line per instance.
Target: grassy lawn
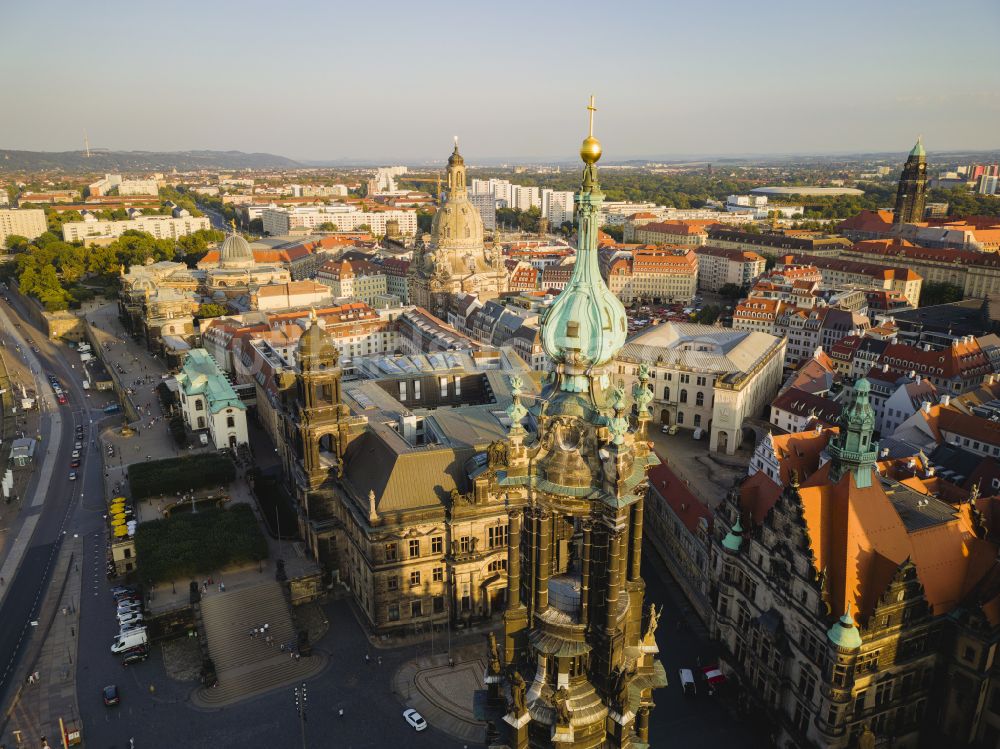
pixel 173 475
pixel 195 545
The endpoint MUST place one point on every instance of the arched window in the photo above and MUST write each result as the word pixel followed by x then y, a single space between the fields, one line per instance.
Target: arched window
pixel 699 399
pixel 684 396
pixel 666 393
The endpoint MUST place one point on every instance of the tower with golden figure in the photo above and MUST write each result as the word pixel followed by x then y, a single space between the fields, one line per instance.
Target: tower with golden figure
pixel 579 652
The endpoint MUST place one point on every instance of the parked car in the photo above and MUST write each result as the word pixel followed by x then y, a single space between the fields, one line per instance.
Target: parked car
pixel 75 463
pixel 687 682
pixel 72 475
pixel 136 656
pixel 111 697
pixel 712 678
pixel 415 719
pixel 130 617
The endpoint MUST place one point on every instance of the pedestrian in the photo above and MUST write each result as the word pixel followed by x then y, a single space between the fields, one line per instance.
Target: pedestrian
pixel 380 660
pixel 367 658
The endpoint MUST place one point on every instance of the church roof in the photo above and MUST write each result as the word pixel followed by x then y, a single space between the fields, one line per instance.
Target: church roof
pixel 235 250
pixel 918 149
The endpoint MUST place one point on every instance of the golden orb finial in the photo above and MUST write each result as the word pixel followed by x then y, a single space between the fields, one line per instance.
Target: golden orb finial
pixel 590 149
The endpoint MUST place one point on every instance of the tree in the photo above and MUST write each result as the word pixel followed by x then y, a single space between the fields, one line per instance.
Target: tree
pixel 17 243
pixel 732 291
pixel 615 232
pixel 708 314
pixel 328 226
pixel 210 309
pixel 939 292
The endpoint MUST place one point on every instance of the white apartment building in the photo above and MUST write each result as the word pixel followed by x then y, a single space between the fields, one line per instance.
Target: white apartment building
pixel 718 266
pixel 501 190
pixel 161 227
pixel 615 212
pixel 318 191
pixel 557 206
pixel 525 198
pixel 486 204
pixel 125 187
pixel 384 181
pixel 757 207
pixel 22 222
pixel 279 221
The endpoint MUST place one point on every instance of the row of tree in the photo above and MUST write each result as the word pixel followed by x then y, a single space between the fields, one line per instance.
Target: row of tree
pixel 53 271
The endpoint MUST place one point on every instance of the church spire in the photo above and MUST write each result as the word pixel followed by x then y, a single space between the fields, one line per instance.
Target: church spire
pixel 586 326
pixel 854 450
pixel 912 191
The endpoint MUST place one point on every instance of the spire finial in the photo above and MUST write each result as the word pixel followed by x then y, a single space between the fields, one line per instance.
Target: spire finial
pixel 456 142
pixel 590 151
pixel 591 109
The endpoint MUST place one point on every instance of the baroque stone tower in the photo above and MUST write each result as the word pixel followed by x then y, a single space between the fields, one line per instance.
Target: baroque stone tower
pixel 322 418
pixel 912 191
pixel 578 662
pixel 456 261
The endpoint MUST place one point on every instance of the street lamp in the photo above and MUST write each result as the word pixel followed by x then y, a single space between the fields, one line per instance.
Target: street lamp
pixel 300 708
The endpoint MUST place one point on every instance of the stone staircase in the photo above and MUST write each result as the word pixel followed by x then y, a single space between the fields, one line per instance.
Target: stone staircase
pixel 247 667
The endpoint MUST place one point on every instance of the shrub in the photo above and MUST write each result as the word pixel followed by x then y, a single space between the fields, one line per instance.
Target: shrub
pixel 175 475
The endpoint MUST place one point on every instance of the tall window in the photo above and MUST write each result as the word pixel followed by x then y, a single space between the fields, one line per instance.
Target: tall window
pixel 402 391
pixel 438 574
pixel 684 396
pixel 416 389
pixel 199 405
pixel 444 386
pixel 414 578
pixel 464 544
pixel 416 610
pixel 497 536
pixel 230 422
pixel 437 544
pixel 390 552
pixel 415 548
pixel 666 393
pixel 699 399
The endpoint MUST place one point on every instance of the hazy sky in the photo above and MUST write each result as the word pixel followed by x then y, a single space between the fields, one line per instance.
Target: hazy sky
pixel 388 80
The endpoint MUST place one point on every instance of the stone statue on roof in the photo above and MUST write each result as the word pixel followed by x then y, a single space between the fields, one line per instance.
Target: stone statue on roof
pixel 494 655
pixel 518 692
pixel 649 638
pixel 560 701
pixel 867 739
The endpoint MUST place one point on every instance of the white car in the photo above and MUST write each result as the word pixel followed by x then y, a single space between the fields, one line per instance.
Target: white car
pixel 129 618
pixel 415 719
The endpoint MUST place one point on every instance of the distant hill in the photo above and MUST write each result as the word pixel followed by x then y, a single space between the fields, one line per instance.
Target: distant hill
pixel 136 161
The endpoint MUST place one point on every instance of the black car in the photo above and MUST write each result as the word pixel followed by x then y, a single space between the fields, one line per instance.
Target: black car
pixel 111 695
pixel 135 655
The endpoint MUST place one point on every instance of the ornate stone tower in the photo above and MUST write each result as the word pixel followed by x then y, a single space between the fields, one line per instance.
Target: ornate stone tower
pixel 578 655
pixel 456 260
pixel 853 449
pixel 322 417
pixel 912 191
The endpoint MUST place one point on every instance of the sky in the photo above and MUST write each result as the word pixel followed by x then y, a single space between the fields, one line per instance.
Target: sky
pixel 395 81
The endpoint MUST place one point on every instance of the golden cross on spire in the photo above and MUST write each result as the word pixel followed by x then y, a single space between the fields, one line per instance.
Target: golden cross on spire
pixel 591 109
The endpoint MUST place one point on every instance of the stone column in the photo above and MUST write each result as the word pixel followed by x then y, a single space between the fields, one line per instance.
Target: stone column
pixel 614 567
pixel 544 560
pixel 642 724
pixel 635 534
pixel 585 573
pixel 532 515
pixel 514 559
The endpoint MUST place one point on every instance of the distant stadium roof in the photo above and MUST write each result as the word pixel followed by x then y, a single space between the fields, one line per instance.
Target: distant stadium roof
pixel 807 191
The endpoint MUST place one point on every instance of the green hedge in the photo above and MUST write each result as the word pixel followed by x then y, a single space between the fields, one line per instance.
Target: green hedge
pixel 161 477
pixel 198 544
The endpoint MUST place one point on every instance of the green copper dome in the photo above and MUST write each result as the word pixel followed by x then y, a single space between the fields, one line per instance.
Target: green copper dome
pixel 854 450
pixel 734 539
pixel 843 633
pixel 918 149
pixel 586 326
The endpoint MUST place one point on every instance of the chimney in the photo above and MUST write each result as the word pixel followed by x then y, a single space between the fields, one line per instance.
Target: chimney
pixel 911 374
pixel 945 400
pixel 925 407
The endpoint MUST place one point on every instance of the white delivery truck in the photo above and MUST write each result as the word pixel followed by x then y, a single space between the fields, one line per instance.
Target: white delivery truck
pixel 83 348
pixel 131 639
pixel 85 357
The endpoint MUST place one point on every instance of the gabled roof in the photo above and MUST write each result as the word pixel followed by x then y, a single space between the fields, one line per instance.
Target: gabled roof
pixel 684 504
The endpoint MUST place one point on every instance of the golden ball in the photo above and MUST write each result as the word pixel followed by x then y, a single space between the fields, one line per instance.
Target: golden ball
pixel 590 150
